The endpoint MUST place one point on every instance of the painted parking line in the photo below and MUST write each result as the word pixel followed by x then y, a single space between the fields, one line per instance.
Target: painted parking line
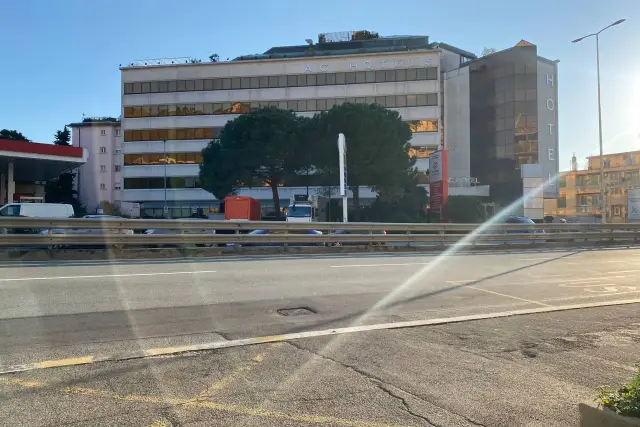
pixel 299 335
pixel 200 404
pixel 509 296
pixel 102 276
pixel 550 280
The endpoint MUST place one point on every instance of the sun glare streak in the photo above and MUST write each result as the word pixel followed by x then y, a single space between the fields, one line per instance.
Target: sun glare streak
pixel 392 297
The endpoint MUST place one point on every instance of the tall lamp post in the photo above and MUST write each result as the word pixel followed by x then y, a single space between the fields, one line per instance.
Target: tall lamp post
pixel 602 206
pixel 165 208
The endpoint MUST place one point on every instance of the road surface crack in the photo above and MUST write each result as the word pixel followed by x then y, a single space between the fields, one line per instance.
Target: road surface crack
pixel 388 389
pixel 167 415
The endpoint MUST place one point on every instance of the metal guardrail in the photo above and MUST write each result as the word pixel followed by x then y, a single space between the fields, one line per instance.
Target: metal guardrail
pixel 110 232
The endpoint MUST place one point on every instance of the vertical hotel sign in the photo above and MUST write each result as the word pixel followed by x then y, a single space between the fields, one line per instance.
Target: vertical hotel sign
pixel 438 180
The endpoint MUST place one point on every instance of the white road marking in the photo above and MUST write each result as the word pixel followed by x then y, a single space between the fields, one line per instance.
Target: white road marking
pixel 600 261
pixel 590 296
pixel 308 334
pixel 377 265
pixel 101 276
pixel 510 296
pixel 557 281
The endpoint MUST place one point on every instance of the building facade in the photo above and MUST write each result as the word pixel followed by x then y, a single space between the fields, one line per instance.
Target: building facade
pixel 171 109
pixel 100 178
pixel 579 189
pixel 501 126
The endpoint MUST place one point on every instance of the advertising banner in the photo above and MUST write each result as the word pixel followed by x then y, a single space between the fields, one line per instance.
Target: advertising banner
pixel 438 180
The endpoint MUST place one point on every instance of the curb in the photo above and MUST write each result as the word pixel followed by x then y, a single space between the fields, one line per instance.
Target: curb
pixel 165 253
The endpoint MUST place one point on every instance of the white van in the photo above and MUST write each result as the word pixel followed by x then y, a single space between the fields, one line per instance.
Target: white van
pixel 37 210
pixel 34 210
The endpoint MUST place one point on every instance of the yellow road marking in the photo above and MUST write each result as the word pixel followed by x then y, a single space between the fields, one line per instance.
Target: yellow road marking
pixel 225 381
pixel 510 296
pixel 23 383
pixel 169 350
pixel 195 403
pixel 65 362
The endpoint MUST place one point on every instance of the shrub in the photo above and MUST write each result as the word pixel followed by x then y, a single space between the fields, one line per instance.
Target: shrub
pixel 626 399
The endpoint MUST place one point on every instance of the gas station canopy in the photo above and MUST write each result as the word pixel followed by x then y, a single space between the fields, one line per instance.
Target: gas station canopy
pixel 25 161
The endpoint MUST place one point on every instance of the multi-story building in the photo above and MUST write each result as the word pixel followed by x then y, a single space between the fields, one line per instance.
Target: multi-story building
pixel 505 103
pixel 100 178
pixel 177 108
pixel 579 189
pixel 501 125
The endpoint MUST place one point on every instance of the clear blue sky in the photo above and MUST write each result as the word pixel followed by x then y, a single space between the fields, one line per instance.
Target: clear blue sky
pixel 61 57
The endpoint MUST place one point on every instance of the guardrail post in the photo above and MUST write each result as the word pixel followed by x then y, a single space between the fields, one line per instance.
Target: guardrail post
pixel 286 245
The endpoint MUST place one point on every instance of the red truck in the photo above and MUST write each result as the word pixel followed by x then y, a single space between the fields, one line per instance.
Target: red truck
pixel 241 207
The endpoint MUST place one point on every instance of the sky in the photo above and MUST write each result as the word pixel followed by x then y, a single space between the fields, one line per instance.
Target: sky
pixel 61 58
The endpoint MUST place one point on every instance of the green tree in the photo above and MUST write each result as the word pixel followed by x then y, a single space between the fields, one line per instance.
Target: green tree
pixel 61 190
pixel 463 209
pixel 377 147
pixel 62 137
pixel 260 148
pixel 109 208
pixel 13 134
pixel 400 203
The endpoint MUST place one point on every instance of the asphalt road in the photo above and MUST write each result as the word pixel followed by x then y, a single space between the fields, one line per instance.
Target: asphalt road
pixel 517 371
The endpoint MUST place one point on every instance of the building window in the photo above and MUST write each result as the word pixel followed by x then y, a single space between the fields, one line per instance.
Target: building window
pixel 423 125
pixel 118 151
pixel 421 152
pixel 117 186
pixel 291 80
pixel 158 183
pixel 297 105
pixel 103 186
pixel 117 132
pixel 103 168
pixel 103 150
pixel 161 159
pixel 118 168
pixel 103 132
pixel 562 202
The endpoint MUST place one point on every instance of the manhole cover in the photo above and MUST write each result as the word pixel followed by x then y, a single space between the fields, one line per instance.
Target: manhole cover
pixel 298 311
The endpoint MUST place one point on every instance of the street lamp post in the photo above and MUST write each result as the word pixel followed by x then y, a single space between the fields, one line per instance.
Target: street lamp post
pixel 602 205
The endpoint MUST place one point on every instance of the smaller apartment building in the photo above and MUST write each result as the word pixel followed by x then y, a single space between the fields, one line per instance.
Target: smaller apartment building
pixel 579 189
pixel 100 178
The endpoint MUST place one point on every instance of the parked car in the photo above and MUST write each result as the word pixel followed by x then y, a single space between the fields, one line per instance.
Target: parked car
pixel 521 220
pixel 343 232
pixel 92 231
pixel 265 232
pixel 182 231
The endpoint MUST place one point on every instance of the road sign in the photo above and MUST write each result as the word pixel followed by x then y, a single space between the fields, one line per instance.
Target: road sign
pixel 633 204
